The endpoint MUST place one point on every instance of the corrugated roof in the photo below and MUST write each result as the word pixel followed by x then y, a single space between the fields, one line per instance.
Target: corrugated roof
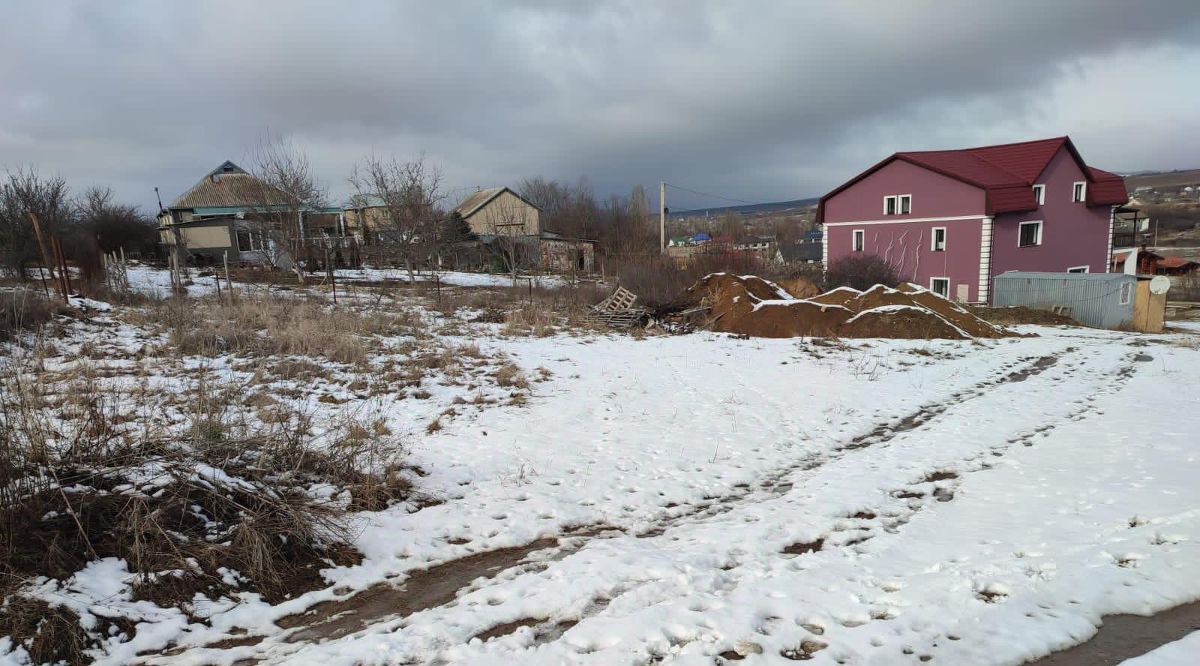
pixel 230 186
pixel 1006 173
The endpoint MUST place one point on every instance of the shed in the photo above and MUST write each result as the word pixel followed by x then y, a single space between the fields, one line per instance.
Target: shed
pixel 1104 300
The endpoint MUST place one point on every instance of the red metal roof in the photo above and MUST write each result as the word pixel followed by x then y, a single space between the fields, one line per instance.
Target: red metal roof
pixel 1174 262
pixel 1107 189
pixel 1005 172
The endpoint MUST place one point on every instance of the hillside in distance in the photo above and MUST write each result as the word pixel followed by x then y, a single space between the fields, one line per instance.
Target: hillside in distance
pixel 777 207
pixel 1162 179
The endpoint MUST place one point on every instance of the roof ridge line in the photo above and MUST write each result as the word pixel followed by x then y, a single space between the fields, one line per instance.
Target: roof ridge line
pixel 984 159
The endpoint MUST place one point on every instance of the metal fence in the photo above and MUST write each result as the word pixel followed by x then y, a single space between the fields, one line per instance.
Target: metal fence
pixel 1096 299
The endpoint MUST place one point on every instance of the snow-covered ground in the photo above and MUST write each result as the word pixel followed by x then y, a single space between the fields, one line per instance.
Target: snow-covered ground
pixel 157 282
pixel 1183 652
pixel 1062 496
pixel 875 502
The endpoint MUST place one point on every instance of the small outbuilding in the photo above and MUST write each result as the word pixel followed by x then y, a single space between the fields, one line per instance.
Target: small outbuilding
pixel 1104 300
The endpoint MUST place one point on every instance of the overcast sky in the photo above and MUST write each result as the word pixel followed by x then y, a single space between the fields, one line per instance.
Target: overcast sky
pixel 761 101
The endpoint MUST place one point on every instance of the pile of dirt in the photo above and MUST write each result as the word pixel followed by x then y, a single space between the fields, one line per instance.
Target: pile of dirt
pixel 800 287
pixel 838 296
pixel 911 295
pixel 1019 314
pixel 749 305
pixel 899 321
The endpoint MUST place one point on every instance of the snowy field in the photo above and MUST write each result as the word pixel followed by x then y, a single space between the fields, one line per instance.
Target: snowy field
pixel 702 499
pixel 156 282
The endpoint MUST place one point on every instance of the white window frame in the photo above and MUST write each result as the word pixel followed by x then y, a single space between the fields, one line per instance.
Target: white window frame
pixel 858 240
pixel 1039 194
pixel 934 290
pixel 901 199
pixel 893 200
pixel 1079 269
pixel 933 239
pixel 1081 185
pixel 1126 293
pixel 1039 233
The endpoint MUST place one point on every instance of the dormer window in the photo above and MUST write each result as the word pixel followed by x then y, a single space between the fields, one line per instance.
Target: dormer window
pixel 1039 194
pixel 1079 192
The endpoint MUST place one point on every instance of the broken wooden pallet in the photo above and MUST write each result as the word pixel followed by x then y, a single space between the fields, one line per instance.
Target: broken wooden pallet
pixel 618 310
pixel 626 318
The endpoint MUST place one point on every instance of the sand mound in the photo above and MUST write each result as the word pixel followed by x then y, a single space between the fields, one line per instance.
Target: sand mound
pixel 911 294
pixel 839 296
pixel 749 305
pixel 800 287
pixel 900 321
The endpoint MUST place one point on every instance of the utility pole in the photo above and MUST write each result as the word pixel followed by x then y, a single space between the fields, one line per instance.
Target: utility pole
pixel 662 217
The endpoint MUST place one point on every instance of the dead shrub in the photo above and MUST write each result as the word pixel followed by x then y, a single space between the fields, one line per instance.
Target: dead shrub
pixel 50 634
pixel 261 326
pixel 81 482
pixel 861 273
pixel 23 310
pixel 661 281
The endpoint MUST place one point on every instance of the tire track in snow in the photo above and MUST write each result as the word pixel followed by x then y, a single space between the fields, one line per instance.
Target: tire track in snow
pixel 939 485
pixel 776 484
pixel 362 610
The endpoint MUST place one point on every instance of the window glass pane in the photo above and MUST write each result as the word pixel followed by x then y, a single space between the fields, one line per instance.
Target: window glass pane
pixel 890 205
pixel 905 205
pixel 1029 234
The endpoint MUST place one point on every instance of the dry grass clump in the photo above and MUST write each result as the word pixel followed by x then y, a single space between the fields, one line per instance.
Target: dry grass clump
pixel 23 310
pixel 266 497
pixel 275 326
pixel 539 311
pixel 509 375
pixel 48 634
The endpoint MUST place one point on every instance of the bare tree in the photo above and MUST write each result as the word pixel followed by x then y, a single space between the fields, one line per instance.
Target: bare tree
pixel 23 192
pixel 285 190
pixel 409 194
pixel 115 225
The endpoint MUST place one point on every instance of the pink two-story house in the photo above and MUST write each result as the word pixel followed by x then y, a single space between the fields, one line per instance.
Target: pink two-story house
pixel 951 220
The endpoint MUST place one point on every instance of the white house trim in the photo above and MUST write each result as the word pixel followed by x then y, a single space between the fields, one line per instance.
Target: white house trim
pixel 855 235
pixel 906 220
pixel 933 239
pixel 1040 230
pixel 985 260
pixel 894 201
pixel 1039 193
pixel 1083 191
pixel 1112 220
pixel 944 279
pixel 1075 269
pixel 824 251
pixel 899 199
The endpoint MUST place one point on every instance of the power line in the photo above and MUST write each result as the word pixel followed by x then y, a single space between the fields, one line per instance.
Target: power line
pixel 714 196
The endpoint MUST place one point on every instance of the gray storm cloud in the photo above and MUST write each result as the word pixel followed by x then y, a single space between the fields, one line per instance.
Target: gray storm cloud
pixel 758 101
